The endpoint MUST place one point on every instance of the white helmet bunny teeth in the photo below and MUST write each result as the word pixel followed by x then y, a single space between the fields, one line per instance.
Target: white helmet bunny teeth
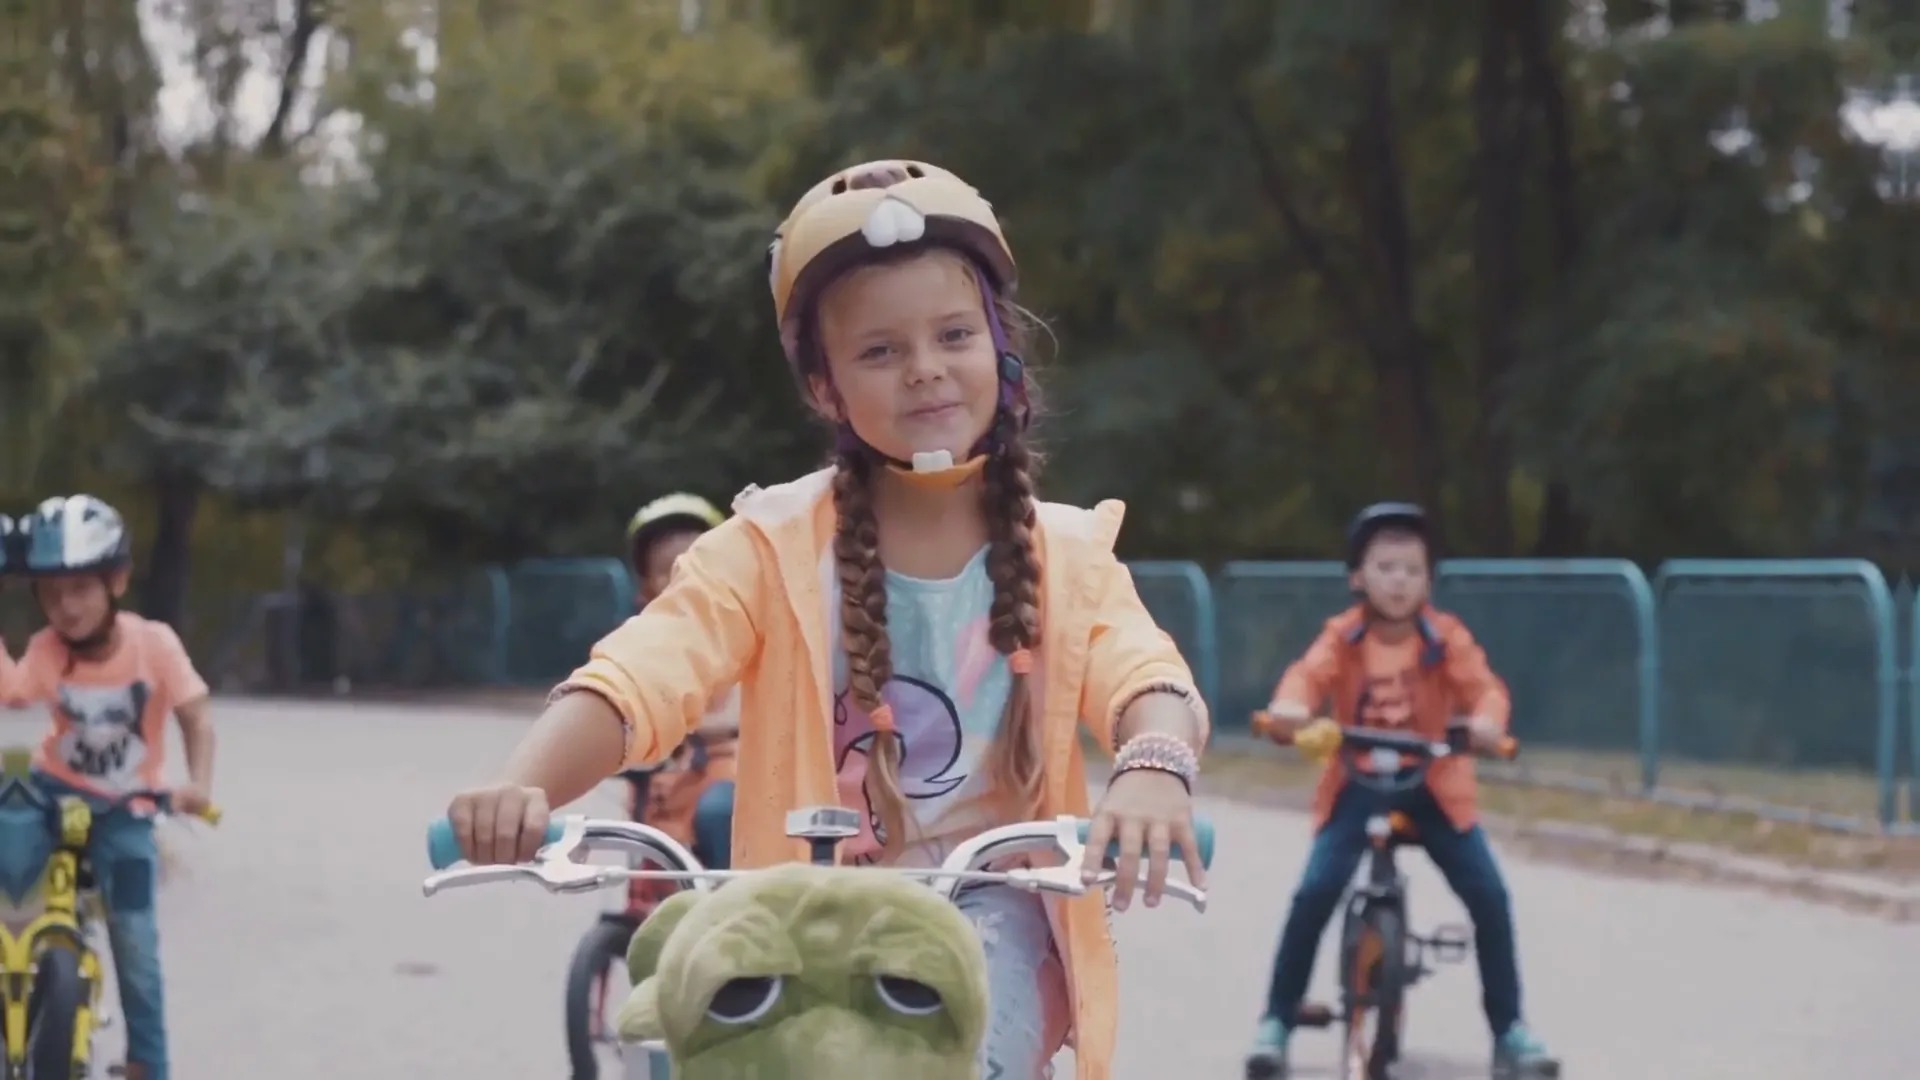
pixel 894 222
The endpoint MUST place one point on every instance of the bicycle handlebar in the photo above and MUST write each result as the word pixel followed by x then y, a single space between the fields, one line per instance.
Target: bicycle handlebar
pixel 1457 742
pixel 164 801
pixel 556 868
pixel 443 847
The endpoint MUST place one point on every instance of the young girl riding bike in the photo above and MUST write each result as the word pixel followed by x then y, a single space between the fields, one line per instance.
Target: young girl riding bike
pixel 914 633
pixel 111 680
pixel 1392 660
pixel 694 804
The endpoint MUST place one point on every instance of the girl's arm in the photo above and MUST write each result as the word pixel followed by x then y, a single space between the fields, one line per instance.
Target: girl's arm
pixel 649 682
pixel 1137 682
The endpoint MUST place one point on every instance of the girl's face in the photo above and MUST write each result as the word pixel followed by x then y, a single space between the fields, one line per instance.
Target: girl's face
pixel 911 357
pixel 77 605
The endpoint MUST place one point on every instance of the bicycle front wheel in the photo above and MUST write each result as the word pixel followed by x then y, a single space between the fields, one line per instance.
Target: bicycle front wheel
pixel 59 1042
pixel 1373 982
pixel 596 980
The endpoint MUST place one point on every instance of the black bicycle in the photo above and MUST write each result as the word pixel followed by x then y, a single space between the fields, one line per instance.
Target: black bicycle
pixel 596 976
pixel 1380 958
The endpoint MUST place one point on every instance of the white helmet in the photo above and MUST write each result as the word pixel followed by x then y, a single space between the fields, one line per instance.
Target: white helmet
pixel 74 534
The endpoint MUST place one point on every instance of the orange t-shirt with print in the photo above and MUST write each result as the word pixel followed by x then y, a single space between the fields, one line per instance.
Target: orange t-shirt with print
pixel 109 716
pixel 1391 674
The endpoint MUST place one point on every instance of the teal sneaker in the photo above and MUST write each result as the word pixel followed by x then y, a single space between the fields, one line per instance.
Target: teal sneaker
pixel 1267 1060
pixel 1520 1055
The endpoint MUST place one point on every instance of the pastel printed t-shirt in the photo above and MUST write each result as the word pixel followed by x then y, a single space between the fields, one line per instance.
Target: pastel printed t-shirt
pixel 110 716
pixel 948 692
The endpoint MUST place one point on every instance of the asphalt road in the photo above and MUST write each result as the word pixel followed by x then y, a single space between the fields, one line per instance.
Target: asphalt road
pixel 298 945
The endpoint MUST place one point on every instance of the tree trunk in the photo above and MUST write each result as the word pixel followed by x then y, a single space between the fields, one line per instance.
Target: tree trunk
pixel 170 558
pixel 1498 164
pixel 1563 530
pixel 1403 365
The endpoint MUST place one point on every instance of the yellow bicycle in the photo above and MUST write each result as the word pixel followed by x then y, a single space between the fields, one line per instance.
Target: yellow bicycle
pixel 51 970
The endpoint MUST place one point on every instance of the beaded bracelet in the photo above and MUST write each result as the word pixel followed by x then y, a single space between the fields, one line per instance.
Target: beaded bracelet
pixel 1183 692
pixel 1159 752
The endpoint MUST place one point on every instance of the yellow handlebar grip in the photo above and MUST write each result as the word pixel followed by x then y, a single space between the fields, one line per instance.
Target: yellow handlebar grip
pixel 1319 741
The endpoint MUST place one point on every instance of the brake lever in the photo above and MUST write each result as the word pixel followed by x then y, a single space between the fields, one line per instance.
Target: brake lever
pixel 1196 898
pixel 563 877
pixel 1056 879
pixel 1060 880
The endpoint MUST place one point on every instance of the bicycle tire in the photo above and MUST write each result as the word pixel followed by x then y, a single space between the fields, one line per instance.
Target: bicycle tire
pixel 60 995
pixel 1382 984
pixel 1391 995
pixel 603 946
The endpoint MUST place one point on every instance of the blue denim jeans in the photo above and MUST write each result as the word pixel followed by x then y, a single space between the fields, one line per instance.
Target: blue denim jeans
pixel 126 870
pixel 1464 858
pixel 713 827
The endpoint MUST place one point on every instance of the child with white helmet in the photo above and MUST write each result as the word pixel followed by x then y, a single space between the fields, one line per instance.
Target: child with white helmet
pixel 111 681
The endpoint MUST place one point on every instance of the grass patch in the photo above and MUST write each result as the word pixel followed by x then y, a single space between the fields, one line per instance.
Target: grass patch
pixel 1257 773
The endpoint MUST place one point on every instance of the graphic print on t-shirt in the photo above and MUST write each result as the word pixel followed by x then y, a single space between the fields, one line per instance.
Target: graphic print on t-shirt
pixel 1387 701
pixel 1386 694
pixel 947 693
pixel 102 743
pixel 929 730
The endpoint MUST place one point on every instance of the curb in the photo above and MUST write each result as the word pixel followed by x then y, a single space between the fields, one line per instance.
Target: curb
pixel 1572 842
pixel 1859 891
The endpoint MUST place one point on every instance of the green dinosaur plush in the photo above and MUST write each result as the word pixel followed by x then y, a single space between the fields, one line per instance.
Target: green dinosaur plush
pixel 810 973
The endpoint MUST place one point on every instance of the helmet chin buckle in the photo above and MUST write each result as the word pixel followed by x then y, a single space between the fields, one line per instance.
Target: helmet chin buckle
pixel 935 470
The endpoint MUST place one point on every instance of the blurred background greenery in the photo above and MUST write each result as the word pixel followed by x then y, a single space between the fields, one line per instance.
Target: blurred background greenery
pixel 356 294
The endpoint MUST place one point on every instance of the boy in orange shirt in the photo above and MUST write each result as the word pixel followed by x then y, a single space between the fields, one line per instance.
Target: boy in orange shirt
pixel 1393 661
pixel 112 679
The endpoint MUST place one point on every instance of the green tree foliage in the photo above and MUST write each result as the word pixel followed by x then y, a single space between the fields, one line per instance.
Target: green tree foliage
pixel 1610 278
pixel 1576 284
pixel 527 302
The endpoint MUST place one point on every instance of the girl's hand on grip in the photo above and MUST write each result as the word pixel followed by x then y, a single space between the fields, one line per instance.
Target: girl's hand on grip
pixel 504 823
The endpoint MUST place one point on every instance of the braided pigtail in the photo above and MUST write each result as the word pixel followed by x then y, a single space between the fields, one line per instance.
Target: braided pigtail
pixel 863 633
pixel 1014 762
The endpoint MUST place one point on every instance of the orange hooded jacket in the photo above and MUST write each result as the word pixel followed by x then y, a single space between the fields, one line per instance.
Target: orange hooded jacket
pixel 748 604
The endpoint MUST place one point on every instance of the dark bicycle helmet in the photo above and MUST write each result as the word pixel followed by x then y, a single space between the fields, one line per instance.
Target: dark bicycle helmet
pixel 72 534
pixel 1383 515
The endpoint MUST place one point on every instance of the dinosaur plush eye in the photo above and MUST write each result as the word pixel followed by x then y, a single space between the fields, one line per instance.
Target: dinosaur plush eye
pixel 907 996
pixel 742 1001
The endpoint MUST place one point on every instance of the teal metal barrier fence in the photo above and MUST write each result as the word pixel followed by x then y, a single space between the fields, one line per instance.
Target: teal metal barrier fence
pixel 1181 600
pixel 559 608
pixel 1779 688
pixel 1576 642
pixel 1787 667
pixel 1269 613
